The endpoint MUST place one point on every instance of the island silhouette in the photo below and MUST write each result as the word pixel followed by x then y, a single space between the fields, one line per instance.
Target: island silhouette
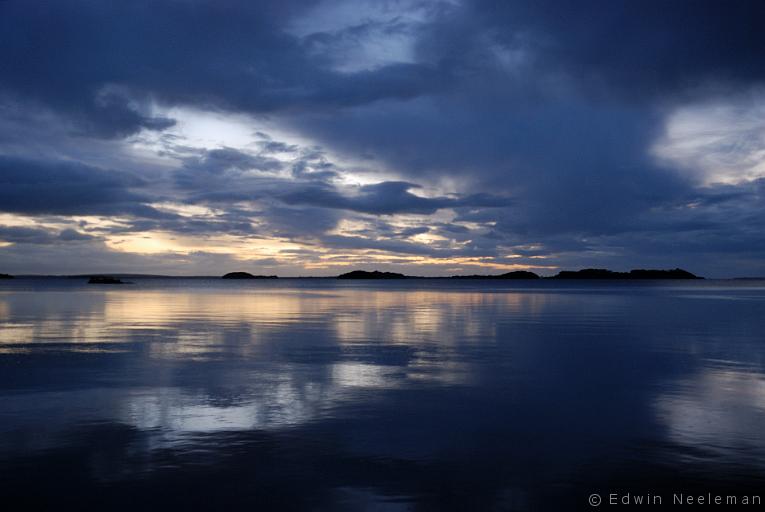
pixel 245 275
pixel 375 274
pixel 587 273
pixel 602 273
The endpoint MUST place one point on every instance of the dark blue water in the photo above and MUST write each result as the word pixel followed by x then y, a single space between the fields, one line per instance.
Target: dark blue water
pixel 405 395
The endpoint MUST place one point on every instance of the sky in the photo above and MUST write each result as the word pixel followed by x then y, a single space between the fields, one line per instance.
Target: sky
pixel 190 137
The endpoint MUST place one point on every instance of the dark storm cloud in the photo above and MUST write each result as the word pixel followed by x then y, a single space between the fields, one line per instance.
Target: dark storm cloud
pixel 558 105
pixel 69 188
pixel 406 233
pixel 24 235
pixel 553 104
pixel 103 64
pixel 567 165
pixel 298 223
pixel 71 235
pixel 337 47
pixel 27 235
pixel 303 205
pixel 214 171
pixel 393 246
pixel 217 161
pixel 387 198
pixel 272 146
pixel 642 48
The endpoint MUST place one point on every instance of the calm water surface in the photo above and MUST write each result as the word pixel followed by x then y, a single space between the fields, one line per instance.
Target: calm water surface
pixel 407 395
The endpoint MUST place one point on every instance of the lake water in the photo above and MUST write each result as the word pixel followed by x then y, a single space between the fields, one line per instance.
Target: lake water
pixel 320 394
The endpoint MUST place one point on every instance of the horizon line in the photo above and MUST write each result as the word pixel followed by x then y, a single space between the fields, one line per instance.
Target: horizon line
pixel 335 276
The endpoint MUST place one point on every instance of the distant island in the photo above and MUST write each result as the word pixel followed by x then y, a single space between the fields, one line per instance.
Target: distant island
pixel 245 275
pixel 587 273
pixel 601 273
pixel 105 280
pixel 363 274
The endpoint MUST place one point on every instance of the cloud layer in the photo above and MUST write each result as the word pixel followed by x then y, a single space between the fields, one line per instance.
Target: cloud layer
pixel 430 137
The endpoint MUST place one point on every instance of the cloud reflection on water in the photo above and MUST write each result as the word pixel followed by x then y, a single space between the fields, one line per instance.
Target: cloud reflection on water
pixel 722 410
pixel 402 382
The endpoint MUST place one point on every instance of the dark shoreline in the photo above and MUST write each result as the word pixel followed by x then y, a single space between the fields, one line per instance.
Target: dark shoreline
pixel 565 275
